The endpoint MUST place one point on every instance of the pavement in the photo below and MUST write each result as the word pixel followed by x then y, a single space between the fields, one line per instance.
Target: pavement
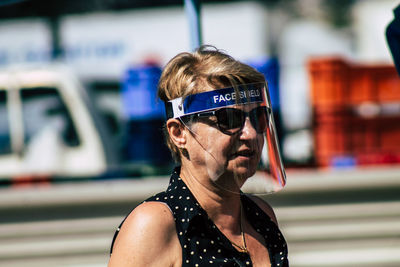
pixel 330 217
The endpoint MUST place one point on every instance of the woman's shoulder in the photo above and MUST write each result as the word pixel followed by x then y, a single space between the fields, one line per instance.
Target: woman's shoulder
pixel 145 233
pixel 149 217
pixel 264 206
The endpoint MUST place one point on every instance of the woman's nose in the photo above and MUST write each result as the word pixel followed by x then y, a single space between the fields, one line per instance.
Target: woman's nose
pixel 248 131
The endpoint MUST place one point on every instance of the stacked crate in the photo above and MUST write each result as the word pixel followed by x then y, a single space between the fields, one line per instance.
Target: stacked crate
pixel 356 112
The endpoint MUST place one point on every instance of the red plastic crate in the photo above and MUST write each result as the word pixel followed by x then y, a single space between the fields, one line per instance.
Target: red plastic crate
pixel 389 134
pixel 364 138
pixel 378 158
pixel 356 112
pixel 330 136
pixel 337 82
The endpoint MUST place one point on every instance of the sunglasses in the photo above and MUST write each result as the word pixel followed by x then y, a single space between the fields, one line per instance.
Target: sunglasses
pixel 231 120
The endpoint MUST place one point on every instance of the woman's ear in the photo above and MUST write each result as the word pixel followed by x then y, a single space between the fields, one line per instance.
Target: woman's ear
pixel 176 132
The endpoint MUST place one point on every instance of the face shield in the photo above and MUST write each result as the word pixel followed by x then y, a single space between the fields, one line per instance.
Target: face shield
pixel 232 145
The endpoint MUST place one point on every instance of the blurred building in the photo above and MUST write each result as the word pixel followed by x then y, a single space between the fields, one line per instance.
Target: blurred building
pixel 101 40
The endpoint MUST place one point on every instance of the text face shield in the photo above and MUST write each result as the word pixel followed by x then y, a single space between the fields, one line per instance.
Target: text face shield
pixel 232 145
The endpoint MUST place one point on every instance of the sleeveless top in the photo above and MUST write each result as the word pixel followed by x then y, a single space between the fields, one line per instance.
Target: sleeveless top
pixel 203 244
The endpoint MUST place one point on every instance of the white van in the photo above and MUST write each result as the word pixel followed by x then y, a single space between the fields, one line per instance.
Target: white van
pixel 48 126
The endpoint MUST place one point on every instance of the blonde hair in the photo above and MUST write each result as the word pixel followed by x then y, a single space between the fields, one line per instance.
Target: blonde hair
pixel 203 70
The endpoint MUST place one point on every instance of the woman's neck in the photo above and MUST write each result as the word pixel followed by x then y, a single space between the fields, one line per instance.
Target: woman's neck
pixel 222 206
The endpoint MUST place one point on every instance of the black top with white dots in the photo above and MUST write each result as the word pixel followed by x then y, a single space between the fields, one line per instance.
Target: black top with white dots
pixel 203 244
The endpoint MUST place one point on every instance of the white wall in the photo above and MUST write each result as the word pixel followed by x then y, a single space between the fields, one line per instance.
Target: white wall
pixel 371 18
pixel 301 40
pixel 241 29
pixel 22 41
pixel 103 45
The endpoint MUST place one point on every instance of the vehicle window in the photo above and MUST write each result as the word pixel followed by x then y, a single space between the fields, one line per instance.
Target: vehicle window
pixel 43 109
pixel 5 140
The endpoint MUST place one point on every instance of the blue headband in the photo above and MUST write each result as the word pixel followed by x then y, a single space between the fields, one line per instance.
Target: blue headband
pixel 243 94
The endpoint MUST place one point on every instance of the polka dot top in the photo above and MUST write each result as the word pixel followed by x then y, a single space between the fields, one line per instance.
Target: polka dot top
pixel 203 244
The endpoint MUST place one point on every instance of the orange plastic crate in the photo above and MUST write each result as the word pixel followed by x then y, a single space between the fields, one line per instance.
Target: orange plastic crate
pixel 328 78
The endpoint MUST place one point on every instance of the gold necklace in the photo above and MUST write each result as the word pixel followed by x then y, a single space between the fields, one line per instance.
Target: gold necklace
pixel 243 248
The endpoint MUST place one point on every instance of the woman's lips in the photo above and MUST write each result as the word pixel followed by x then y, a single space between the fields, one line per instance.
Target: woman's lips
pixel 244 153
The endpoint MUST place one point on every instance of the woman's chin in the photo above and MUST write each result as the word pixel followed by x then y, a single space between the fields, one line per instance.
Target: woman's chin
pixel 244 168
pixel 241 173
pixel 246 173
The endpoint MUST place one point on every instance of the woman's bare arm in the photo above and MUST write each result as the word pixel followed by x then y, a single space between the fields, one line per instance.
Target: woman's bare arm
pixel 147 238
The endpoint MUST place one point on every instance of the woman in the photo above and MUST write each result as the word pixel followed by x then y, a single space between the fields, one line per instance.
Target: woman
pixel 218 125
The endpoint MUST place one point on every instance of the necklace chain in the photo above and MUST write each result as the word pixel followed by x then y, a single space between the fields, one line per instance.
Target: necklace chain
pixel 243 248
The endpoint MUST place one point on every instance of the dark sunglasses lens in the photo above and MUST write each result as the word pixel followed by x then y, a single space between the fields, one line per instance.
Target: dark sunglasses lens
pixel 259 119
pixel 230 120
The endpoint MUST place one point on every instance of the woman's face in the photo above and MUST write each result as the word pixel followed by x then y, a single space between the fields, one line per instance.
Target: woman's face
pixel 221 156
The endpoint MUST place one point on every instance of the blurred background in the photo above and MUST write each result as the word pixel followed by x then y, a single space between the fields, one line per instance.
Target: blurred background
pixel 80 126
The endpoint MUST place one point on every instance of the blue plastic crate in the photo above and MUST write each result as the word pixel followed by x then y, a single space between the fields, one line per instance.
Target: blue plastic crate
pixel 139 93
pixel 270 68
pixel 145 116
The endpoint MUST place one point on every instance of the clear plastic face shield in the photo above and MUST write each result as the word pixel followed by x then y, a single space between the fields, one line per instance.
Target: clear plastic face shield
pixel 232 144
